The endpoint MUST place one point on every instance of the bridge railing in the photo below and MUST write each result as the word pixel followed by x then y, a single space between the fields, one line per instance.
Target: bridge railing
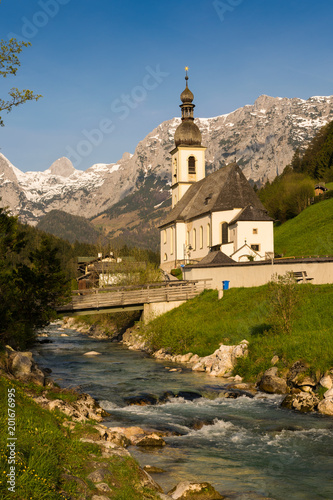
pixel 102 298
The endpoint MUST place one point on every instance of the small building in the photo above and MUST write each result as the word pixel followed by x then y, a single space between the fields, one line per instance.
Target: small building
pixel 320 189
pixel 220 209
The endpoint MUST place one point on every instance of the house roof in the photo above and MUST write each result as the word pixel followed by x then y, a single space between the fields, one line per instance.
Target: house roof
pixel 251 213
pixel 224 189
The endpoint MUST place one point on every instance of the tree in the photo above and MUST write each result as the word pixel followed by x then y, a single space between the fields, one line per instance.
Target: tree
pixel 9 64
pixel 283 299
pixel 30 289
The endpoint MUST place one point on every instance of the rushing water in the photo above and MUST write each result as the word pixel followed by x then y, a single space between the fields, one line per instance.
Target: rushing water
pixel 247 447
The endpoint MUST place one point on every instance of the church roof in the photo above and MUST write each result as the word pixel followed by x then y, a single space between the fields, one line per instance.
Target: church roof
pixel 216 257
pixel 225 189
pixel 251 213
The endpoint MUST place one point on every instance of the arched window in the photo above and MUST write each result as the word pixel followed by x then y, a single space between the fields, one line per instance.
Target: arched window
pixel 171 241
pixel 191 165
pixel 224 233
pixel 208 235
pixel 194 242
pixel 201 237
pixel 165 257
pixel 164 236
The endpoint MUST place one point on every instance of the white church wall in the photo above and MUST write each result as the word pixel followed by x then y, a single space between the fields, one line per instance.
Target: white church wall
pixel 199 231
pixel 257 234
pixel 217 219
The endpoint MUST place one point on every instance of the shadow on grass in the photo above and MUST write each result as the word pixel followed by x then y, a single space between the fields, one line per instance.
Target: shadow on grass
pixel 261 330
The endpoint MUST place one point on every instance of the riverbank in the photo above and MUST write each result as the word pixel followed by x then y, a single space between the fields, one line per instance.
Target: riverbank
pixel 242 446
pixel 60 452
pixel 247 349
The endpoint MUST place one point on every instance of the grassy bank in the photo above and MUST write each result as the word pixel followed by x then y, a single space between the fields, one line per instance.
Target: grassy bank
pixel 201 324
pixel 51 461
pixel 310 233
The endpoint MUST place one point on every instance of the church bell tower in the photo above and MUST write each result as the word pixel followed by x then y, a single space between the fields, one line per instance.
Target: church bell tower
pixel 188 157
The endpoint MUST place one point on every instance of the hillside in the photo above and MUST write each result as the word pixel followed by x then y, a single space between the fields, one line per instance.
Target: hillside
pixel 310 233
pixel 69 227
pixel 134 220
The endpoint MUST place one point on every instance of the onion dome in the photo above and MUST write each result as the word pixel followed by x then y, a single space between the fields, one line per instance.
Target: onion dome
pixel 187 133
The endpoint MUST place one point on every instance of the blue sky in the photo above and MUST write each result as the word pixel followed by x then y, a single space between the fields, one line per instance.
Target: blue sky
pixel 110 71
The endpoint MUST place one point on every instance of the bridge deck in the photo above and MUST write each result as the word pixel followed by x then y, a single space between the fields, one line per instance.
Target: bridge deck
pixel 134 297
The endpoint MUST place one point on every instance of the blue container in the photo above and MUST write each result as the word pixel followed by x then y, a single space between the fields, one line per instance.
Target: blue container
pixel 225 285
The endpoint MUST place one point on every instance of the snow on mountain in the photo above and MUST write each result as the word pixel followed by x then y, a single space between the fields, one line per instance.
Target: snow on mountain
pixel 262 138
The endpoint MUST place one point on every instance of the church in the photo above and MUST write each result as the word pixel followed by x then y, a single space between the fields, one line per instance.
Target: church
pixel 219 213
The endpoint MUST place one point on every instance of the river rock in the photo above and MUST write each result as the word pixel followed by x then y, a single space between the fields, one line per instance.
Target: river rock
pixel 92 353
pixel 148 482
pixel 296 371
pixel 329 394
pixel 189 395
pixel 273 384
pixel 326 382
pixel 223 360
pixel 302 402
pixel 150 440
pixel 326 407
pixel 23 367
pixel 275 359
pixel 103 487
pixel 151 469
pixel 142 400
pixel 196 491
pixel 305 382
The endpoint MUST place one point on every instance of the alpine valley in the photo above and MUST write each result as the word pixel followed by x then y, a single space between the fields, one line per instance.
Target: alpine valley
pixel 132 195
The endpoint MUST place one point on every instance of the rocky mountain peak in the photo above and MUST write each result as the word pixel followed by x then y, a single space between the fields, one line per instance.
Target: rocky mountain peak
pixel 62 167
pixel 7 170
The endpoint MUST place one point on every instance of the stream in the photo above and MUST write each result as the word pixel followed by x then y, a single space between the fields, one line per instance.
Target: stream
pixel 248 448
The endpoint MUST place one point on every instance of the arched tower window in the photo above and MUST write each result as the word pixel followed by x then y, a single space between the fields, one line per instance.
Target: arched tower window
pixel 224 233
pixel 191 165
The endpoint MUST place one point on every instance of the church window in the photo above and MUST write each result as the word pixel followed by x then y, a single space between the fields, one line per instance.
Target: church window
pixel 165 257
pixel 255 231
pixel 191 165
pixel 208 235
pixel 164 236
pixel 194 242
pixel 188 237
pixel 224 233
pixel 256 248
pixel 171 241
pixel 201 237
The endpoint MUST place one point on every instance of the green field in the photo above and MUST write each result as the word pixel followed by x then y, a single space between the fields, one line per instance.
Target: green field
pixel 201 324
pixel 308 234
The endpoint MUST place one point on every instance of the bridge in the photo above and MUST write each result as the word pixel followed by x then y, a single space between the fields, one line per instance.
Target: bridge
pixel 161 296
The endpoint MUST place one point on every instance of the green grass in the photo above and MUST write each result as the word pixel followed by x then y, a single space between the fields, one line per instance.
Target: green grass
pixel 45 450
pixel 201 324
pixel 308 234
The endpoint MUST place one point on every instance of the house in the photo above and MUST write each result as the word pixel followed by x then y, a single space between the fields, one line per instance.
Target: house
pixel 320 189
pixel 108 271
pixel 219 210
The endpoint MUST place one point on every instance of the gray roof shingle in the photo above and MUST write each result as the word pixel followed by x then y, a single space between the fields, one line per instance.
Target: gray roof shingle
pixel 224 189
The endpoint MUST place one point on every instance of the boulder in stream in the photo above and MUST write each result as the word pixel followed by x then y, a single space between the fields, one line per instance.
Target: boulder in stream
pixel 194 491
pixel 273 384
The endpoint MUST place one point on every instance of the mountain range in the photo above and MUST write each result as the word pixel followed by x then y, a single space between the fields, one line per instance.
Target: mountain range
pixel 261 137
